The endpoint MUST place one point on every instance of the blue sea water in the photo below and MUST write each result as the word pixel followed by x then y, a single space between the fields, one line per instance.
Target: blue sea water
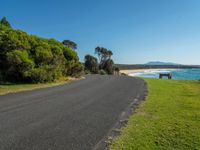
pixel 177 74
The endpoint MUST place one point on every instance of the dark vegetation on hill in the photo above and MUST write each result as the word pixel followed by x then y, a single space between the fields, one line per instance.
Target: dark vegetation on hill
pixel 141 66
pixel 160 63
pixel 29 58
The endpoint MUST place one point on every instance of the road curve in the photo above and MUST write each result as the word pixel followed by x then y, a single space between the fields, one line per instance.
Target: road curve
pixel 74 116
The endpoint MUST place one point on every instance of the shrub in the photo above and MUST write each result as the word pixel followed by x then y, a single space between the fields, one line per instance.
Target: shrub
pixel 42 55
pixel 87 72
pixel 70 54
pixel 25 57
pixel 74 69
pixel 43 74
pixel 108 66
pixel 102 72
pixel 18 64
pixel 91 64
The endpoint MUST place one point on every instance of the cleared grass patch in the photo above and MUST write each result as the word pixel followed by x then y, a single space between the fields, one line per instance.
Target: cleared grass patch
pixel 169 119
pixel 18 87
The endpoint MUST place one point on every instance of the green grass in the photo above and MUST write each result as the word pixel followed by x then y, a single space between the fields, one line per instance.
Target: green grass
pixel 17 87
pixel 168 120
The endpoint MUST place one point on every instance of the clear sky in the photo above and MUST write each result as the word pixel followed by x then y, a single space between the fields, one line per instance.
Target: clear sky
pixel 137 31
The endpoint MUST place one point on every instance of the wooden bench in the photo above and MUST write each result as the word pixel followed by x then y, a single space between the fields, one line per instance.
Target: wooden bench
pixel 169 75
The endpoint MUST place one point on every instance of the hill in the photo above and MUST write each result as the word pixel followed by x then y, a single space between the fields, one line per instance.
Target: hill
pixel 160 63
pixel 145 66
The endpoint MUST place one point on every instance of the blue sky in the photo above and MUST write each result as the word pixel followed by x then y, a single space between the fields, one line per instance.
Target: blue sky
pixel 137 31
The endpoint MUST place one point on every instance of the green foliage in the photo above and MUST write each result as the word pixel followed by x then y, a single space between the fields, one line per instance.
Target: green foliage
pixel 12 40
pixel 18 64
pixel 20 58
pixel 56 47
pixel 102 72
pixel 70 54
pixel 74 69
pixel 167 120
pixel 108 66
pixel 30 58
pixel 43 55
pixel 43 74
pixel 103 54
pixel 70 44
pixel 91 64
pixel 106 63
pixel 5 22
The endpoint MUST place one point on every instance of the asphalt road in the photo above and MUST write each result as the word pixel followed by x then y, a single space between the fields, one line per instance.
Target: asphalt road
pixel 74 116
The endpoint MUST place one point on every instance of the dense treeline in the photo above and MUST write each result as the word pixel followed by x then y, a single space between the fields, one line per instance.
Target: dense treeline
pixel 143 66
pixel 29 58
pixel 104 66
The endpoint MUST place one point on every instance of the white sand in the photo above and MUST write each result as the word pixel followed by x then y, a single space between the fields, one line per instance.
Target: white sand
pixel 143 70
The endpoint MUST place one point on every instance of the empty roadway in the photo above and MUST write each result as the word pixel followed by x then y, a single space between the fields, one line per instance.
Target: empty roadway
pixel 74 116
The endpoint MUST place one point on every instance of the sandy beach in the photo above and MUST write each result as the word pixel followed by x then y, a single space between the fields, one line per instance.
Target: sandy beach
pixel 143 70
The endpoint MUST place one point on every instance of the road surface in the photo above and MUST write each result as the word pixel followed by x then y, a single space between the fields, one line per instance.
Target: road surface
pixel 74 116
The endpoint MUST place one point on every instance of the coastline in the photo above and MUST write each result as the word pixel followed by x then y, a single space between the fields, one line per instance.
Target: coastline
pixel 143 70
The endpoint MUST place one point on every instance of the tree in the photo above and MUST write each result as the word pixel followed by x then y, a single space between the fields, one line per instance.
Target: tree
pixel 29 58
pixel 116 70
pixel 19 64
pixel 108 66
pixel 74 69
pixel 98 52
pixel 70 54
pixel 103 54
pixel 91 64
pixel 70 44
pixel 109 53
pixel 5 22
pixel 42 55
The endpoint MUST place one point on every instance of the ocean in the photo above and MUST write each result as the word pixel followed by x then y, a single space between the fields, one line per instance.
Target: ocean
pixel 177 74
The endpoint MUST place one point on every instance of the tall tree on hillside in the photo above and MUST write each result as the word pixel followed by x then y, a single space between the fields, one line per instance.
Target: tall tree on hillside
pixel 70 44
pixel 5 22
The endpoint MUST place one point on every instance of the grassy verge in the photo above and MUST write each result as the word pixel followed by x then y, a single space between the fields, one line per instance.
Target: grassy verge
pixel 168 119
pixel 17 87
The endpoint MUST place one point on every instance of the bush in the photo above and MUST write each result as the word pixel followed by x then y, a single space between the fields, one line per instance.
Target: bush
pixel 30 58
pixel 77 70
pixel 74 69
pixel 102 72
pixel 87 72
pixel 70 54
pixel 108 66
pixel 19 64
pixel 91 64
pixel 38 75
pixel 43 74
pixel 42 55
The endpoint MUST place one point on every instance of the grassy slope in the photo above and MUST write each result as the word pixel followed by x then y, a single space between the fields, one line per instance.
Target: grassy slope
pixel 168 119
pixel 12 87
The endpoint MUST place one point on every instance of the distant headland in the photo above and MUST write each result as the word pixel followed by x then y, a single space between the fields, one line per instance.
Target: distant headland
pixel 155 65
